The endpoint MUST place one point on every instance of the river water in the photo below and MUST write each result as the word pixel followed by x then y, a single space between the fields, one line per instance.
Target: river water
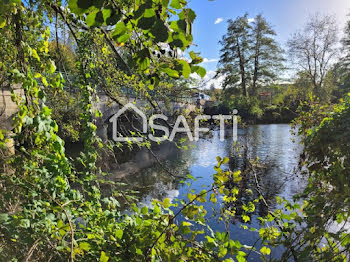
pixel 273 144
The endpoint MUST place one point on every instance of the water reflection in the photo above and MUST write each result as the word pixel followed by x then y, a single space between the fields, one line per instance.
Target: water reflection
pixel 272 144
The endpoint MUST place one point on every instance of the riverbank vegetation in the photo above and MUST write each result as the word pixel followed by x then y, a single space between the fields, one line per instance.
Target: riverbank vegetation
pixel 256 79
pixel 64 55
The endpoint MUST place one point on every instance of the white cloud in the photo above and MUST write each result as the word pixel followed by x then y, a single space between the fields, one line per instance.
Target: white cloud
pixel 251 20
pixel 218 20
pixel 208 80
pixel 206 60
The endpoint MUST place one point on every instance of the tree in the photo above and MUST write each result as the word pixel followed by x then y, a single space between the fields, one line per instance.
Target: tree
pixel 250 51
pixel 235 54
pixel 313 48
pixel 341 69
pixel 266 54
pixel 346 44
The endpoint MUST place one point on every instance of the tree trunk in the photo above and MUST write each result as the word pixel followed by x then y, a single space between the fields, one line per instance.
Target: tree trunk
pixel 242 71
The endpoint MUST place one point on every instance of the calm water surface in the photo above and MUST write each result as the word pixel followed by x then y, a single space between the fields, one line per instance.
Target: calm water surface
pixel 273 144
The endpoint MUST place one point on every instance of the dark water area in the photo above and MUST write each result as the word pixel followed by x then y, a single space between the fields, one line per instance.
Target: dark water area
pixel 272 144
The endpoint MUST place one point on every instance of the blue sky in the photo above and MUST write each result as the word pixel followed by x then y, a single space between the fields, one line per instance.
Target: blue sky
pixel 286 16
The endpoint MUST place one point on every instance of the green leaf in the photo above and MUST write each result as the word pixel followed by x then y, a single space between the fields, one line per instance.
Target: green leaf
pixel 160 31
pixel 2 22
pixel 84 246
pixel 113 18
pixel 170 72
pixel 143 63
pixel 119 30
pixel 191 15
pixel 106 13
pixel 35 55
pixel 149 13
pixel 166 202
pixel 186 69
pixel 176 4
pixel 199 70
pixel 210 239
pixel 144 210
pixel 104 257
pixel 85 4
pixel 196 59
pixel 25 223
pixel 146 23
pixel 52 67
pixel 90 19
pixel 119 233
pixel 79 7
pixel 4 218
pixel 123 38
pixel 179 41
pixel 182 25
pixel 222 252
pixel 165 3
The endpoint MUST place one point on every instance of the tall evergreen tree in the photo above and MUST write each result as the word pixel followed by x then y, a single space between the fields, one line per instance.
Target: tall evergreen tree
pixel 235 55
pixel 266 53
pixel 250 56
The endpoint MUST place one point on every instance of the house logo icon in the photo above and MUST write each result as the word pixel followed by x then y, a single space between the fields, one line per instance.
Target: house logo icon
pixel 114 121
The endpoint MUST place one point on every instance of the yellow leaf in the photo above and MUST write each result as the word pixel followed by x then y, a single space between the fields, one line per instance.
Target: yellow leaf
pixel 35 55
pixel 2 22
pixel 104 257
pixel 166 202
pixel 265 251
